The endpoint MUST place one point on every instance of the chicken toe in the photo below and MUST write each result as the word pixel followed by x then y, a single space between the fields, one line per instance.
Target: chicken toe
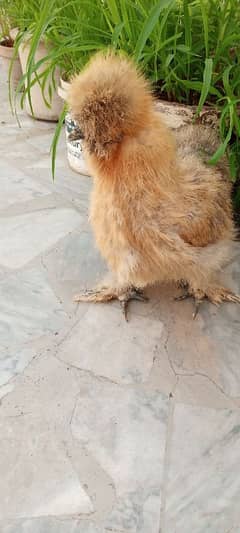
pixel 131 294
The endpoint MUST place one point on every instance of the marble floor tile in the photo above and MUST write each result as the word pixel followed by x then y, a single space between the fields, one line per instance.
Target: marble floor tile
pixel 28 309
pixel 37 476
pixel 66 181
pixel 16 187
pixel 11 137
pixel 14 361
pixel 74 264
pixel 200 390
pixel 124 354
pixel 76 258
pixel 16 150
pixel 203 487
pixel 73 187
pixel 5 389
pixel 125 430
pixel 224 328
pixel 41 139
pixel 25 236
pixel 51 525
pixel 210 345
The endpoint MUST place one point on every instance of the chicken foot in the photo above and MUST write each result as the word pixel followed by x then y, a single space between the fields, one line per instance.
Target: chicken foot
pixel 105 294
pixel 215 295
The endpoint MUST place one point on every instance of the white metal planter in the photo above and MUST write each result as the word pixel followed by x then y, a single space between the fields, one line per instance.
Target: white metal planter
pixel 74 147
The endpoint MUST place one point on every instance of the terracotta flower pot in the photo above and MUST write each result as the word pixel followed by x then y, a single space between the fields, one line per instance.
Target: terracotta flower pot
pixel 40 110
pixel 74 146
pixel 6 55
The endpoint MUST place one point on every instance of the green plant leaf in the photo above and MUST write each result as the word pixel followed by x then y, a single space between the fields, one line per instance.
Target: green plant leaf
pixel 222 148
pixel 207 79
pixel 116 33
pixel 203 6
pixel 148 26
pixel 56 136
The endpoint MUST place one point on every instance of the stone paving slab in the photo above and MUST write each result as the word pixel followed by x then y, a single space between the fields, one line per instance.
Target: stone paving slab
pixel 126 432
pixel 25 236
pixel 104 426
pixel 53 525
pixel 203 489
pixel 28 310
pixel 125 356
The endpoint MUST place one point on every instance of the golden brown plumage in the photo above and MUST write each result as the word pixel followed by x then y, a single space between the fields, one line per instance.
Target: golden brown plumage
pixel 159 212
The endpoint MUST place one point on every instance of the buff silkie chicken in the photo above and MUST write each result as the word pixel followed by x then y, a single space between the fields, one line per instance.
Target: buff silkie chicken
pixel 159 212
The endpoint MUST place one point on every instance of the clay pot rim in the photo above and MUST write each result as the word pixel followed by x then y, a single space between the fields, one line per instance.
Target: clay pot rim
pixel 6 52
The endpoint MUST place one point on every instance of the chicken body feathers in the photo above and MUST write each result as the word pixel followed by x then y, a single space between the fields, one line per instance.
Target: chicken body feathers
pixel 158 210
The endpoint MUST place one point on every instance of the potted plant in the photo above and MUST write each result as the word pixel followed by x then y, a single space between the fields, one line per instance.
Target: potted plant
pixel 49 40
pixel 39 84
pixel 190 50
pixel 41 98
pixel 7 52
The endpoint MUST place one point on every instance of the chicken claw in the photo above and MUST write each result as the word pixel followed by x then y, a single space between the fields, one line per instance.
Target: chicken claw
pixel 132 294
pixel 183 296
pixel 105 294
pixel 197 301
pixel 197 304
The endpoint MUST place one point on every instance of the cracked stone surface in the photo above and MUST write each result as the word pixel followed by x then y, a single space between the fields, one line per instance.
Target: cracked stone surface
pixel 202 489
pixel 53 525
pixel 111 422
pixel 108 356
pixel 105 426
pixel 29 309
pixel 25 236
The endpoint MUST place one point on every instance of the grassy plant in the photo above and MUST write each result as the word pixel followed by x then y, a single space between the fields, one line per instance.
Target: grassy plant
pixel 5 24
pixel 190 50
